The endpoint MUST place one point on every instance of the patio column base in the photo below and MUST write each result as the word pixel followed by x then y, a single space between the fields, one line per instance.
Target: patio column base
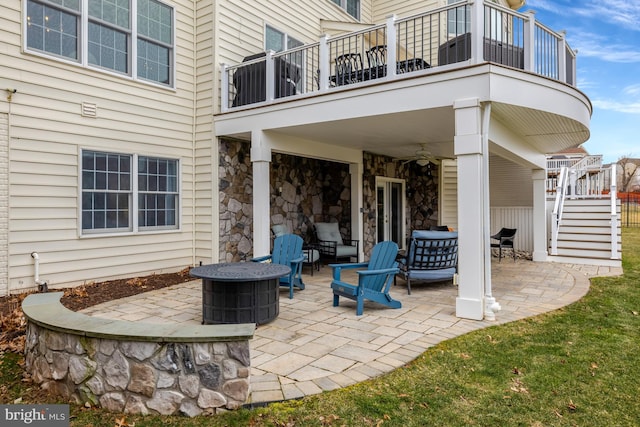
pixel 540 256
pixel 490 308
pixel 467 308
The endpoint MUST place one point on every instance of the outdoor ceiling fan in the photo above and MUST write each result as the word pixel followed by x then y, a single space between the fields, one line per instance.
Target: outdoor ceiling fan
pixel 422 157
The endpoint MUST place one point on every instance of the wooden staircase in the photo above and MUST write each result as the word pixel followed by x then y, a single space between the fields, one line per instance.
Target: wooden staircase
pixel 584 234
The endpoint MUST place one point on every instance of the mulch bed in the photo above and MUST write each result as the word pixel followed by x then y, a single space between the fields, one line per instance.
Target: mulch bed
pixel 12 322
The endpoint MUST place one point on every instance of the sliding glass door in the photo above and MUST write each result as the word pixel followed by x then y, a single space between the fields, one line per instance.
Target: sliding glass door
pixel 390 203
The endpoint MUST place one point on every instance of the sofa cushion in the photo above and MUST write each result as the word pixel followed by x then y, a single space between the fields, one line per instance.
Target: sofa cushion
pixel 345 251
pixel 279 230
pixel 432 275
pixel 315 255
pixel 329 231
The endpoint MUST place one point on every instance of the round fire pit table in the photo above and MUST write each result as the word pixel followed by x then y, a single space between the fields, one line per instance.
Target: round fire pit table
pixel 240 292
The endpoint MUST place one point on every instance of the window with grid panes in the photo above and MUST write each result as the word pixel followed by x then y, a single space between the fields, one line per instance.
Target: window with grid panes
pixel 157 192
pixel 351 6
pixel 458 19
pixel 112 37
pixel 111 201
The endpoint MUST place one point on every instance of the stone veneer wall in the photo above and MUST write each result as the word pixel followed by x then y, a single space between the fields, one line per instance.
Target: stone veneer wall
pixel 236 201
pixel 305 191
pixel 140 377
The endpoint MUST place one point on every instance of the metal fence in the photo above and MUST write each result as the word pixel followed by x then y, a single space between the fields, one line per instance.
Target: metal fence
pixel 630 209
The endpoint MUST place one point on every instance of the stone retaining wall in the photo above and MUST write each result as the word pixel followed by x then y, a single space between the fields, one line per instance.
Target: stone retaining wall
pixel 150 376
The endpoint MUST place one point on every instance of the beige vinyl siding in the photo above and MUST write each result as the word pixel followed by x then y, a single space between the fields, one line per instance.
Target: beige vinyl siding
pixel 241 25
pixel 383 8
pixel 448 202
pixel 510 184
pixel 241 31
pixel 48 132
pixel 205 167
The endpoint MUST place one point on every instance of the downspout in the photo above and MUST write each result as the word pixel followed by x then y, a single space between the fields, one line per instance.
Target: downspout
pixel 193 138
pixel 10 93
pixel 42 284
pixel 490 303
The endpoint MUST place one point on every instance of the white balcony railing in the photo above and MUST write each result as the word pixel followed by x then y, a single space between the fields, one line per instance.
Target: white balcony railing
pixel 463 33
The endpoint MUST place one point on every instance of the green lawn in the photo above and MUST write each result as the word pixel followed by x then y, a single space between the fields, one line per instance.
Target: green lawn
pixel 573 367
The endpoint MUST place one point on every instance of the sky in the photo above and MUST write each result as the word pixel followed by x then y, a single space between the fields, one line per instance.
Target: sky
pixel 606 34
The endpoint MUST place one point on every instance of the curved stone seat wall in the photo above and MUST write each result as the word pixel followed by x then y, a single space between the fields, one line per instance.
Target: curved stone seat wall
pixel 134 367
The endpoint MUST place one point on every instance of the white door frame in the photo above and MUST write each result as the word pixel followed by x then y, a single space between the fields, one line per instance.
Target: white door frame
pixel 386 183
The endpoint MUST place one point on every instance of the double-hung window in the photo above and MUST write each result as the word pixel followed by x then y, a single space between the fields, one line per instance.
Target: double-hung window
pixel 458 19
pixel 278 41
pixel 53 27
pixel 124 192
pixel 157 192
pixel 351 6
pixel 130 37
pixel 109 37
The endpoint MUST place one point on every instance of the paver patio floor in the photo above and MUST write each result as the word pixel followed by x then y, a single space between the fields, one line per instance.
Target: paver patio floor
pixel 313 347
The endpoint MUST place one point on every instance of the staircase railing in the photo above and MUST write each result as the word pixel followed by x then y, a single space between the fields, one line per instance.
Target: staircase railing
pixel 556 215
pixel 587 178
pixel 565 189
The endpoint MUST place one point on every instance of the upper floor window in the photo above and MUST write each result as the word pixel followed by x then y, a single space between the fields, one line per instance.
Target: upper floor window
pixel 278 41
pixel 458 19
pixel 123 192
pixel 140 47
pixel 351 6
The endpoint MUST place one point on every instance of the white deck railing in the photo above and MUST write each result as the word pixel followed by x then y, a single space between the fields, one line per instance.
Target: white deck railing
pixel 587 177
pixel 463 33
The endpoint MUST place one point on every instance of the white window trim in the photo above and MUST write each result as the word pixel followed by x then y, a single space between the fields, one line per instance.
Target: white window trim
pixel 343 6
pixel 83 53
pixel 135 228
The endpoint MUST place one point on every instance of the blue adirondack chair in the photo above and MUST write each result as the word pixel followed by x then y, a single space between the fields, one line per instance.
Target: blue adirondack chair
pixel 374 278
pixel 287 250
